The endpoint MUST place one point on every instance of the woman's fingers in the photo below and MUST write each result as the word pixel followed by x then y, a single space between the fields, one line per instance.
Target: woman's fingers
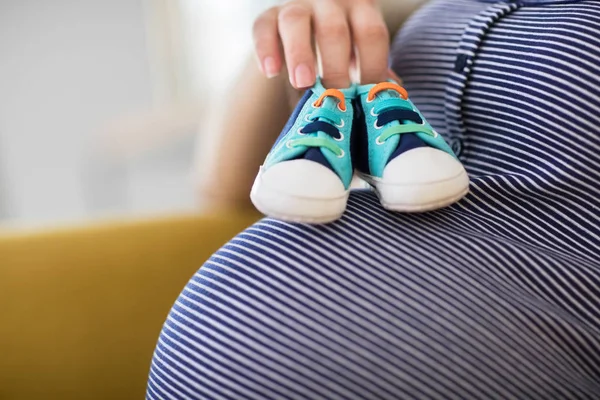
pixel 339 27
pixel 334 43
pixel 371 40
pixel 294 22
pixel 266 43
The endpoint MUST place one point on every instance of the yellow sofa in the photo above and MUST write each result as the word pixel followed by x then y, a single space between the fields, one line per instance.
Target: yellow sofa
pixel 81 308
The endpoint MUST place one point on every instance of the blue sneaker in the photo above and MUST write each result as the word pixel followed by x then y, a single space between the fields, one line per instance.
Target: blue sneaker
pixel 407 162
pixel 306 175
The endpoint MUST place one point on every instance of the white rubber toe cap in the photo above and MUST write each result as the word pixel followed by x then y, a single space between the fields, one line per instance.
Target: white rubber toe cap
pixel 421 179
pixel 303 178
pixel 422 165
pixel 300 191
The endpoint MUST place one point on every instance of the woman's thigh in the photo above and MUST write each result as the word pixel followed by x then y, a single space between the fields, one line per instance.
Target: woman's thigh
pixel 379 306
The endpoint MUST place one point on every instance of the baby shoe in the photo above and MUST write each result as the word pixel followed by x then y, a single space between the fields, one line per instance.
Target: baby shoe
pixel 306 175
pixel 400 155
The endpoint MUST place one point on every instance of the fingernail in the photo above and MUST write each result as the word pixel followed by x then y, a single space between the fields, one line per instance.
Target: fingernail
pixel 270 68
pixel 303 76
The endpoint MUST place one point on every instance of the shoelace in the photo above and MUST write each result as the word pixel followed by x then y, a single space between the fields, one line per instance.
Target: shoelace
pixel 395 109
pixel 323 119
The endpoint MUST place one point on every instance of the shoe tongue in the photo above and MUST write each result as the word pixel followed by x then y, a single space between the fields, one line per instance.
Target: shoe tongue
pixel 316 155
pixel 387 94
pixel 408 141
pixel 329 103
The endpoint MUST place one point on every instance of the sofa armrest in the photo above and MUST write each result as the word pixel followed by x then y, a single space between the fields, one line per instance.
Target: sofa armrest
pixel 81 308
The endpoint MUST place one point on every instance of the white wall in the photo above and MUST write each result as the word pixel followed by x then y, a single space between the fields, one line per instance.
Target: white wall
pixel 78 73
pixel 218 40
pixel 67 67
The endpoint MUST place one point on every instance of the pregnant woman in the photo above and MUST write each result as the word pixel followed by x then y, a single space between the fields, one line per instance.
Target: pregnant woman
pixel 496 296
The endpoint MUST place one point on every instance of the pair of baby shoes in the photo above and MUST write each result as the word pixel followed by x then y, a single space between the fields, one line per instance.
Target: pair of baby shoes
pixel 373 130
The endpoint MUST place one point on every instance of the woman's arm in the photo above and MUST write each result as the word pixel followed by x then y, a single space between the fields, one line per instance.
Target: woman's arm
pixel 246 133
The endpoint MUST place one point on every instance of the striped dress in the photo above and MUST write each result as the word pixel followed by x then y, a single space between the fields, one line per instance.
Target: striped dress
pixel 496 297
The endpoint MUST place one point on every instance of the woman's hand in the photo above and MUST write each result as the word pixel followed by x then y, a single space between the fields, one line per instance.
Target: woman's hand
pixel 342 30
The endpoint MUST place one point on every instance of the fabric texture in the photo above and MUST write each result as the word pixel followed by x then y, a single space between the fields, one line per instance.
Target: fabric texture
pixel 497 296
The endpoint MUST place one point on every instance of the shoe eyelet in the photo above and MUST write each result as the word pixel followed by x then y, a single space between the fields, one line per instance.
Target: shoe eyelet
pixel 371 100
pixel 288 144
pixel 300 131
pixel 373 112
pixel 307 118
pixel 378 141
pixel 341 125
pixel 342 154
pixel 340 108
pixel 377 126
pixel 340 138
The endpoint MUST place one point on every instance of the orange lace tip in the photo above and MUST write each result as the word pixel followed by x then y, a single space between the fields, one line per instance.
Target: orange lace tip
pixel 332 93
pixel 387 86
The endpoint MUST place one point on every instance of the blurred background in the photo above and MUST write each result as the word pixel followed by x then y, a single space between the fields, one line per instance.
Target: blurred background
pixel 106 106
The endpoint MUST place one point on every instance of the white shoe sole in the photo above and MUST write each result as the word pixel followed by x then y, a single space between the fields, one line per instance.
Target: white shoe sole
pixel 295 208
pixel 416 197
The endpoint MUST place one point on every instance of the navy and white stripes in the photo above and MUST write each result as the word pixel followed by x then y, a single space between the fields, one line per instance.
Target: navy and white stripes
pixel 497 296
